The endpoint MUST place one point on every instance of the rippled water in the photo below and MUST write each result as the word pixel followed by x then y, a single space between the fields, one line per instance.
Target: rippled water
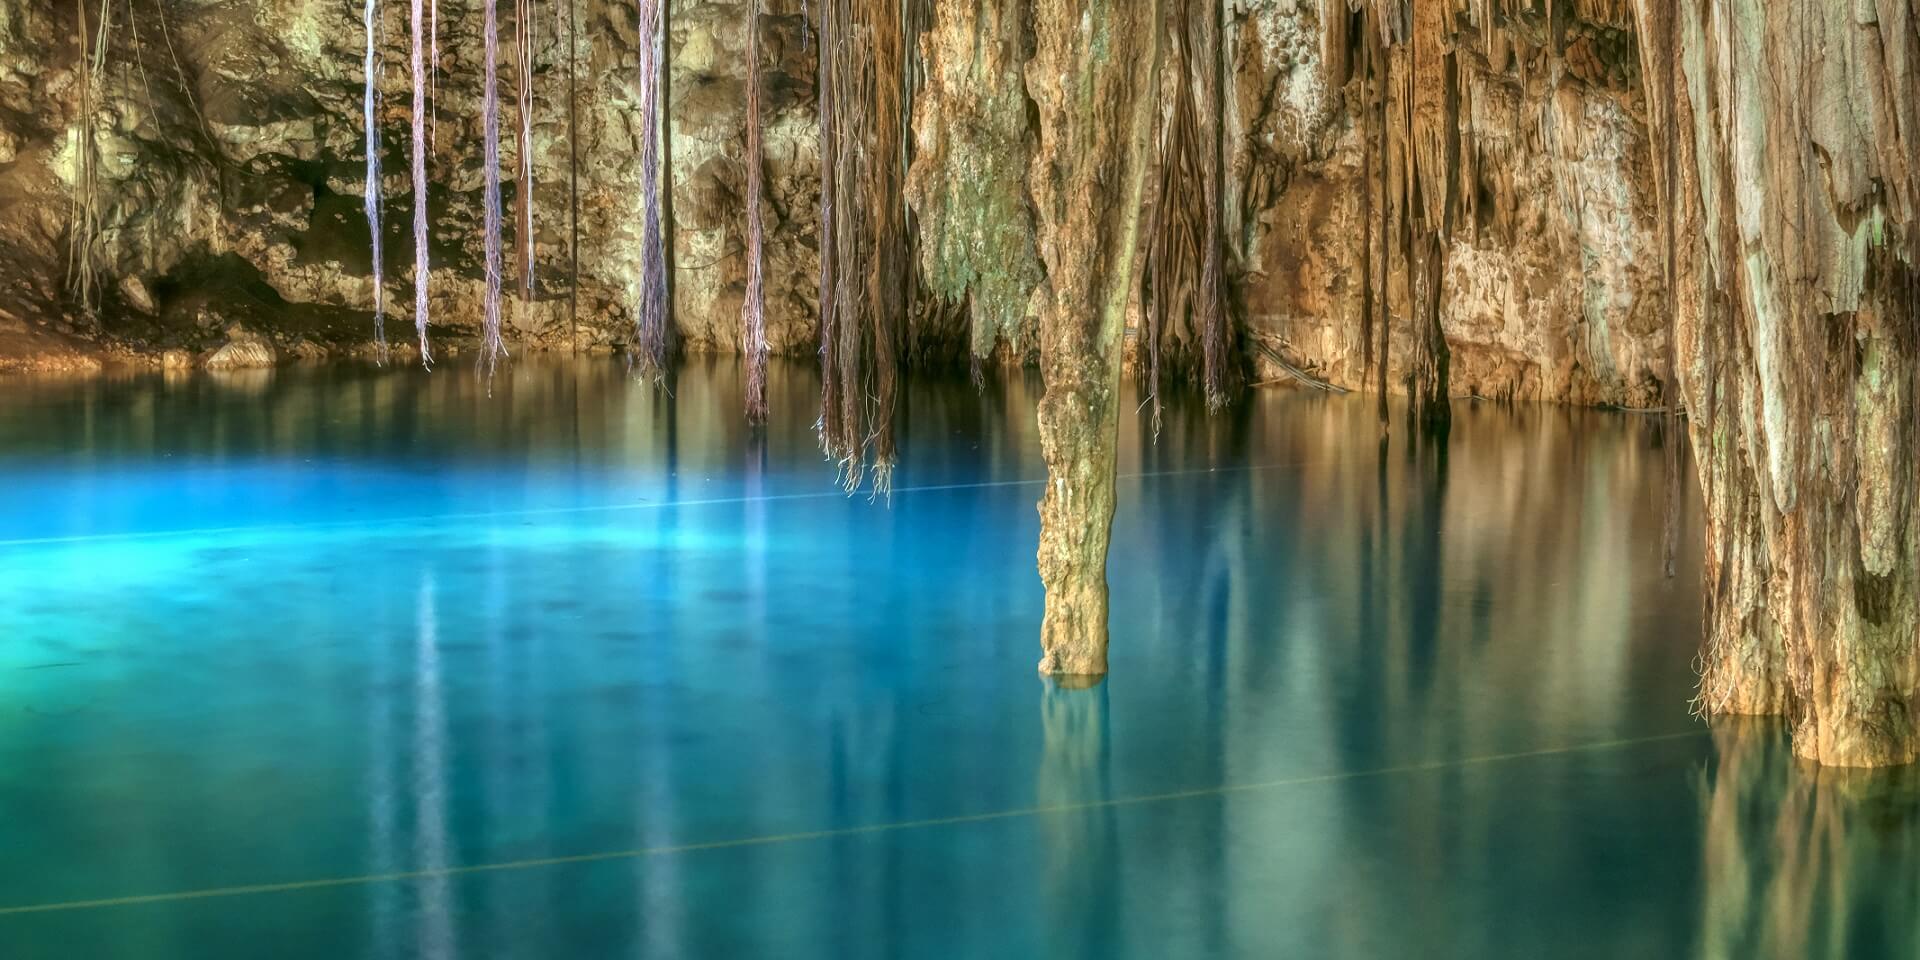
pixel 386 666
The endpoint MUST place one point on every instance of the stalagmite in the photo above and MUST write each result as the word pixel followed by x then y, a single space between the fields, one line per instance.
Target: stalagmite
pixel 421 267
pixel 753 310
pixel 1092 81
pixel 492 349
pixel 372 201
pixel 653 339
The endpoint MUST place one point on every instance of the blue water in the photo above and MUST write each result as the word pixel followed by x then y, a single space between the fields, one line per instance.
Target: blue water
pixel 337 662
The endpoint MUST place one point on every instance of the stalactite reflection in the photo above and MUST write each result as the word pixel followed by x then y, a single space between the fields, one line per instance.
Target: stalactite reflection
pixel 1082 877
pixel 435 933
pixel 1804 861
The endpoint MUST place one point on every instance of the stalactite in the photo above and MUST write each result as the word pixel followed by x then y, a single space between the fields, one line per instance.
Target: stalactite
pixel 653 345
pixel 1430 154
pixel 1377 40
pixel 1658 32
pixel 967 186
pixel 753 311
pixel 492 349
pixel 422 272
pixel 372 199
pixel 1365 122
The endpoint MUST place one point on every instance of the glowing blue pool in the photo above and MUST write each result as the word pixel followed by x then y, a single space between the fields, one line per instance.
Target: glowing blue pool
pixel 335 663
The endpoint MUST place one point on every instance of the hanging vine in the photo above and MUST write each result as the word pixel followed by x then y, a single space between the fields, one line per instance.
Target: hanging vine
pixel 864 285
pixel 524 25
pixel 371 67
pixel 1184 284
pixel 83 237
pixel 422 272
pixel 492 349
pixel 573 176
pixel 654 339
pixel 753 310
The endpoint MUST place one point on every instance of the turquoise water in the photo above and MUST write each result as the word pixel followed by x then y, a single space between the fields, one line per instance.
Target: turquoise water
pixel 340 663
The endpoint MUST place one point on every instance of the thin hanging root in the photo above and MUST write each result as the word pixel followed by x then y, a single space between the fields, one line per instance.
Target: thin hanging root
pixel 140 62
pixel 84 233
pixel 865 79
pixel 422 272
pixel 186 84
pixel 524 25
pixel 754 307
pixel 881 480
pixel 573 177
pixel 371 67
pixel 492 348
pixel 433 91
pixel 1184 284
pixel 1211 307
pixel 652 338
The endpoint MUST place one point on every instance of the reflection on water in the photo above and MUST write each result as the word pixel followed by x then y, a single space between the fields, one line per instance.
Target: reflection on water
pixel 1081 881
pixel 1802 861
pixel 1367 700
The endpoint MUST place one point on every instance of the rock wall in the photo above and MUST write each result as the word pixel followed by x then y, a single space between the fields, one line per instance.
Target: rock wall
pixel 1552 286
pixel 232 167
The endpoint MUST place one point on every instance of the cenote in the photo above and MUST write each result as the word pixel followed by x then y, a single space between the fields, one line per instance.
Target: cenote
pixel 335 661
pixel 937 479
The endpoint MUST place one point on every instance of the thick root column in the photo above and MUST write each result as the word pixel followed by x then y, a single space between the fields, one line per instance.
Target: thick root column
pixel 1077 436
pixel 1797 357
pixel 1092 79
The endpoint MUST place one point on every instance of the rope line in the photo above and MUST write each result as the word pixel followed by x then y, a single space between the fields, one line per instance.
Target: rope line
pixel 642 853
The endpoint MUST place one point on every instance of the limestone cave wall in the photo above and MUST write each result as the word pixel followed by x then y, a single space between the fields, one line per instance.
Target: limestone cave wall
pixel 231 179
pixel 231 184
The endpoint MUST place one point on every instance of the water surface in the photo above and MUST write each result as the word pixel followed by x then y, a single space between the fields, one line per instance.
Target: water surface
pixel 394 665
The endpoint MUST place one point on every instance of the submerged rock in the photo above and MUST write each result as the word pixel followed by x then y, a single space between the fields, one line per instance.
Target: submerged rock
pixel 241 355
